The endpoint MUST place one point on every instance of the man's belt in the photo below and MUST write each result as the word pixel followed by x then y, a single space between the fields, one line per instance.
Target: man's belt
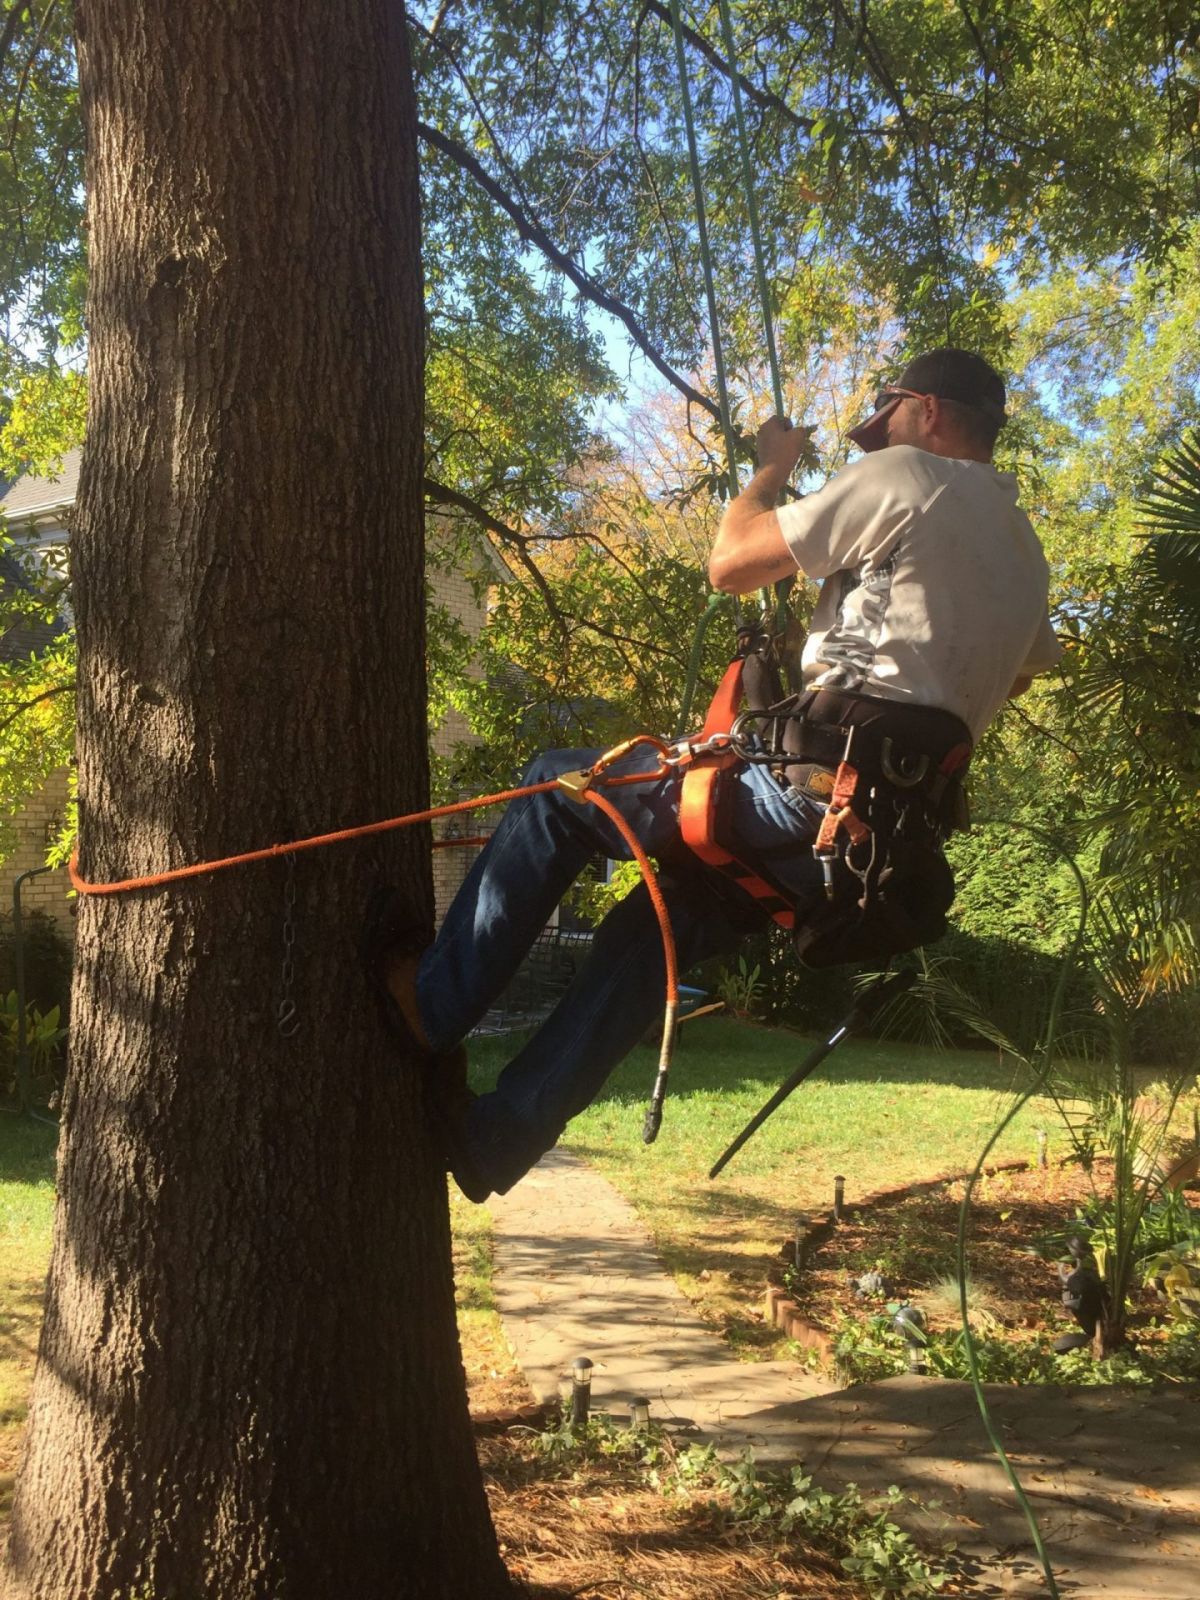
pixel 838 747
pixel 910 748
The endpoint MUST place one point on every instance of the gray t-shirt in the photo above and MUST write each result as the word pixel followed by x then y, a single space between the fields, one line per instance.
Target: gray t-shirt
pixel 935 585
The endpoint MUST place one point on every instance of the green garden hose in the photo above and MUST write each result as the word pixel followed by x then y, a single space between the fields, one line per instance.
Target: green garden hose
pixel 1041 1073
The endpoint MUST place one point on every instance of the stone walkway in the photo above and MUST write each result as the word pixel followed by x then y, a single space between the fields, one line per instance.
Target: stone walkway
pixel 1114 1476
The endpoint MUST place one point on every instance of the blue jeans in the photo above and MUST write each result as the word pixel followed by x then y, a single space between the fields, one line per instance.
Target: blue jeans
pixel 540 847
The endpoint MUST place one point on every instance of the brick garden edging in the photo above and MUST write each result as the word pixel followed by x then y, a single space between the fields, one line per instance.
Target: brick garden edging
pixel 783 1313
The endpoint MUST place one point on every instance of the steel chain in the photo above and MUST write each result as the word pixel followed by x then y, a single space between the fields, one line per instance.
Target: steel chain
pixel 285 1017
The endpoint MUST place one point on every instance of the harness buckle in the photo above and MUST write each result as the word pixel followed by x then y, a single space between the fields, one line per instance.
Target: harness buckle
pixel 575 784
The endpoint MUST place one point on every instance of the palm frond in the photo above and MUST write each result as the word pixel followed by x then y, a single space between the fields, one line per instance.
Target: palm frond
pixel 1172 504
pixel 1170 562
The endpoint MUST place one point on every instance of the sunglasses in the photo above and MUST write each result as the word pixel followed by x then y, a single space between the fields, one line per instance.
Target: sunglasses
pixel 888 397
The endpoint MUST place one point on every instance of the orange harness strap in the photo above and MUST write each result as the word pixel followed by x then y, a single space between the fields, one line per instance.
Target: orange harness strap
pixel 838 813
pixel 702 807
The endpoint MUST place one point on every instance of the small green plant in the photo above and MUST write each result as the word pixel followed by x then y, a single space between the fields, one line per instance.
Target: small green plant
pixel 1167 1223
pixel 1177 1269
pixel 859 1532
pixel 870 1348
pixel 43 1035
pixel 883 1558
pixel 741 988
pixel 913 1251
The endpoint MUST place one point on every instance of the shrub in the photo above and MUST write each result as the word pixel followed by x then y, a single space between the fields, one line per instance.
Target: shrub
pixel 49 955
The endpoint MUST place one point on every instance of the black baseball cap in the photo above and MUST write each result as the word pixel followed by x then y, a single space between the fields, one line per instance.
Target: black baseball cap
pixel 948 373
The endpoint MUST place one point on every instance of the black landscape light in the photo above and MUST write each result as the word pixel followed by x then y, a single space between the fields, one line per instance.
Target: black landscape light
pixel 839 1197
pixel 639 1414
pixel 910 1324
pixel 581 1391
pixel 801 1242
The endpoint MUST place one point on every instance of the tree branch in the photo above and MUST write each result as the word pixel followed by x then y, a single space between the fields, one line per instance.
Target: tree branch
pixel 531 232
pixel 11 23
pixel 761 97
pixel 1037 727
pixel 28 705
pixel 442 494
pixel 646 646
pixel 881 72
pixel 440 44
pixel 28 68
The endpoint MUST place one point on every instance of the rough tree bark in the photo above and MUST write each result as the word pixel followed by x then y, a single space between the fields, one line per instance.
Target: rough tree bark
pixel 249 1381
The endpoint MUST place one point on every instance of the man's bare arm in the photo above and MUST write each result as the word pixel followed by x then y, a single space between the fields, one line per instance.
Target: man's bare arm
pixel 1020 685
pixel 749 550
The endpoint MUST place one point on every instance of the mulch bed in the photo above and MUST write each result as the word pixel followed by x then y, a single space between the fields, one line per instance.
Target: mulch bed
pixel 595 1530
pixel 911 1241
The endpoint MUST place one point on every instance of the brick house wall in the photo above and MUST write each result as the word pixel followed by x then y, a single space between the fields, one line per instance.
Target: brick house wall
pixel 452 589
pixel 39 509
pixel 36 826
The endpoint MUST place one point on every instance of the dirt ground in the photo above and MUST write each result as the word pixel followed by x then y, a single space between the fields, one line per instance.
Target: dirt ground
pixel 591 1527
pixel 912 1244
pixel 592 1530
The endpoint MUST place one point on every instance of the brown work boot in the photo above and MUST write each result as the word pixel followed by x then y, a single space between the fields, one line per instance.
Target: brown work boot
pixel 390 947
pixel 449 1098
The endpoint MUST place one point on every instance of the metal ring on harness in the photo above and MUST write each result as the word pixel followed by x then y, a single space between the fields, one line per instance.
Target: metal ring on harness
pixel 897 772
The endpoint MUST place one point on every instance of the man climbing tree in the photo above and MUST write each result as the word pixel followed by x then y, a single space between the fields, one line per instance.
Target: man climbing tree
pixel 248 1383
pixel 933 611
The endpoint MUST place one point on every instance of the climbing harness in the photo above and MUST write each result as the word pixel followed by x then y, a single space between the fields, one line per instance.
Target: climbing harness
pixel 704 800
pixel 705 763
pixel 891 775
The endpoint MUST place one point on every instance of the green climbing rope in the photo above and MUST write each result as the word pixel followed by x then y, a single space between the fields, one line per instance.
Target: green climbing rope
pixel 714 327
pixel 1041 1072
pixel 783 588
pixel 749 186
pixel 716 603
pixel 775 604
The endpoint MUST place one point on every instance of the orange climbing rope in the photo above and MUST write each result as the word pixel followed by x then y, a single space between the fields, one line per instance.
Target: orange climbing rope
pixel 269 852
pixel 583 787
pixel 580 785
pixel 154 880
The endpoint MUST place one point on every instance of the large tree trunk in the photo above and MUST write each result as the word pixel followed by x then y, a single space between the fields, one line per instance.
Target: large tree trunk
pixel 249 1382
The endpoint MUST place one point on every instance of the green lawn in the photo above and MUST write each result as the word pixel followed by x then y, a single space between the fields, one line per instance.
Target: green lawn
pixel 26 1211
pixel 876 1113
